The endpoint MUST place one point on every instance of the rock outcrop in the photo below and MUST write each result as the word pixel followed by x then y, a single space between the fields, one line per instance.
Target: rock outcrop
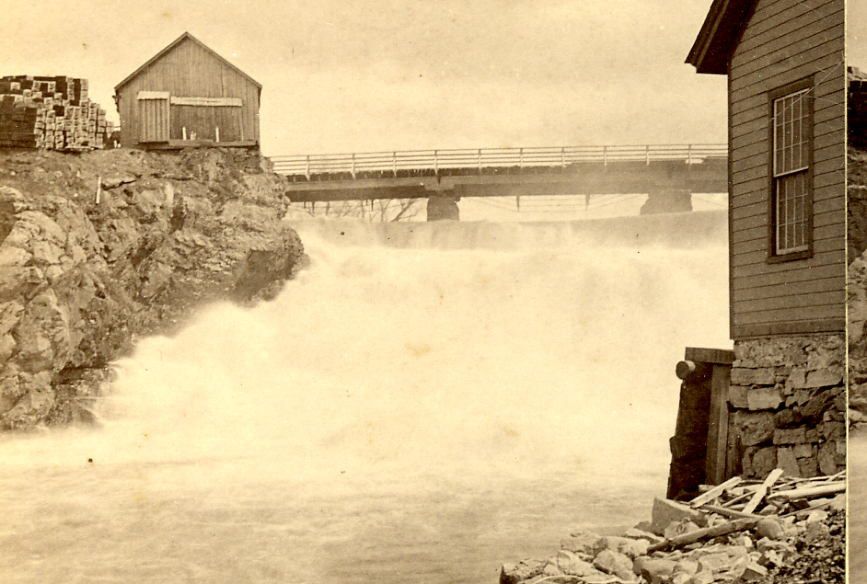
pixel 99 249
pixel 857 284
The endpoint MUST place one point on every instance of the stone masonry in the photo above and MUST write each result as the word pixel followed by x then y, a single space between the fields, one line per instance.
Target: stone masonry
pixel 787 405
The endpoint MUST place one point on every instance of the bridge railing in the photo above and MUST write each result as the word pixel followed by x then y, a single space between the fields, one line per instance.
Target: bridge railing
pixel 398 162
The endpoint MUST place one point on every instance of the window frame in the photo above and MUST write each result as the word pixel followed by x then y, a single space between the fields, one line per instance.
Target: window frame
pixel 805 84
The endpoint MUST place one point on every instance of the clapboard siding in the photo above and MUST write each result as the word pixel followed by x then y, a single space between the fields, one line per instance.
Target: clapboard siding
pixel 189 69
pixel 789 278
pixel 754 108
pixel 754 105
pixel 753 239
pixel 756 258
pixel 830 284
pixel 786 41
pixel 765 18
pixel 776 54
pixel 753 191
pixel 805 313
pixel 771 40
pixel 825 205
pixel 827 257
pixel 822 139
pixel 782 72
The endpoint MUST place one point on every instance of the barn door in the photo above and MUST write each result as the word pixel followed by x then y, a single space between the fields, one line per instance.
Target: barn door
pixel 154 116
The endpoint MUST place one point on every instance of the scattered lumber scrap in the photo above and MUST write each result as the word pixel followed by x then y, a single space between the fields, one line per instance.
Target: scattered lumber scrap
pixel 51 113
pixel 774 531
pixel 771 496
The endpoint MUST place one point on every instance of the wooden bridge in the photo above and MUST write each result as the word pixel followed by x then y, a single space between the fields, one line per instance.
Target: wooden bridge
pixel 488 172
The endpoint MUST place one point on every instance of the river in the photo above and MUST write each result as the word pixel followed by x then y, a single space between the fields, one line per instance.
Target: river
pixel 422 403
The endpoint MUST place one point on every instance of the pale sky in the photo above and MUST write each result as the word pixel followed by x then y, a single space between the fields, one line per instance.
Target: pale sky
pixel 344 76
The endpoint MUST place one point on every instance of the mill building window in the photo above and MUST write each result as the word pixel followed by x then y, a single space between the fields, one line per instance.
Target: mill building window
pixel 791 204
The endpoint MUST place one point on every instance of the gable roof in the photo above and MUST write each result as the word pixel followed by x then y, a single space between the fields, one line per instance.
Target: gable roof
pixel 719 35
pixel 172 45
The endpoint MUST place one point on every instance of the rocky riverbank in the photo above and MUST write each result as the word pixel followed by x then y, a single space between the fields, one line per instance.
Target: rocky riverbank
pixel 776 531
pixel 102 248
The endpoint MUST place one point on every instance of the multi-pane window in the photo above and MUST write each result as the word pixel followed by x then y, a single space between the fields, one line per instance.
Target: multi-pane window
pixel 791 171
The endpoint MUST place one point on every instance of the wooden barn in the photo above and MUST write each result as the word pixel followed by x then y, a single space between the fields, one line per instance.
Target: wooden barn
pixel 188 95
pixel 778 399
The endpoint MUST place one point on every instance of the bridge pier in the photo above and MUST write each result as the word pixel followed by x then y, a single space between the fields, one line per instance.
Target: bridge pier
pixel 667 201
pixel 443 208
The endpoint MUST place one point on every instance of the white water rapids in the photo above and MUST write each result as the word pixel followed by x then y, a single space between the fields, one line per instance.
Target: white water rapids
pixel 423 403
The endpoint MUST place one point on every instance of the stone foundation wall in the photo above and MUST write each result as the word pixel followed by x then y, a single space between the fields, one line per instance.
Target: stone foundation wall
pixel 787 405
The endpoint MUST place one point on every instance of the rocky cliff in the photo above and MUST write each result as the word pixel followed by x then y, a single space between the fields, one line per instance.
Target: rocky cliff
pixel 856 290
pixel 99 249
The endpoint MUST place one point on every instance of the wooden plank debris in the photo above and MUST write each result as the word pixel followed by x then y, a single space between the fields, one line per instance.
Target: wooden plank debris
pixel 762 491
pixel 715 492
pixel 706 533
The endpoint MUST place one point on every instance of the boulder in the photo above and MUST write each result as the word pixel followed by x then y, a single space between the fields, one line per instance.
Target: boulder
pixel 521 571
pixel 631 548
pixel 615 563
pixel 582 542
pixel 654 569
pixel 665 512
pixel 570 563
pixel 771 528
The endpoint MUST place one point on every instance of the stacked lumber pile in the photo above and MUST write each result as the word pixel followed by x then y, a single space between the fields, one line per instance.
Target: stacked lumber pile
pixel 54 113
pixel 774 531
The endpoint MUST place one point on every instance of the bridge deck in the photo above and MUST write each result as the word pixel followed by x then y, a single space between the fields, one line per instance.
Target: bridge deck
pixel 505 172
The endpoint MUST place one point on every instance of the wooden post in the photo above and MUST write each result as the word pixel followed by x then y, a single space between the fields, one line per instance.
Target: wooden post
pixel 307 168
pixel 184 132
pixel 689 154
pixel 521 158
pixel 605 156
pixel 98 188
pixel 647 154
pixel 718 425
pixel 436 163
pixel 563 157
pixel 353 165
pixel 394 163
pixel 217 133
pixel 479 159
pixel 518 202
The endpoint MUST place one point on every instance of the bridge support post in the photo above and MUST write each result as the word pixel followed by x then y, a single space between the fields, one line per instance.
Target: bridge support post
pixel 667 201
pixel 443 208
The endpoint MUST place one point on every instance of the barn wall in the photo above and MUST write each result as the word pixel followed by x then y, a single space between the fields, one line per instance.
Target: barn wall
pixel 784 42
pixel 189 70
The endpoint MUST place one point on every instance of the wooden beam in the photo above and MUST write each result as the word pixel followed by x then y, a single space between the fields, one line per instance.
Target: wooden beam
pixel 716 469
pixel 715 492
pixel 716 356
pixel 763 490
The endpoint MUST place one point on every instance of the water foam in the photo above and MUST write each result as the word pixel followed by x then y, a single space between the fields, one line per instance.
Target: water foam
pixel 448 350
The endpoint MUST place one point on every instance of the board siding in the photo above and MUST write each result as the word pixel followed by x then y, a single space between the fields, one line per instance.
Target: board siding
pixel 189 70
pixel 784 42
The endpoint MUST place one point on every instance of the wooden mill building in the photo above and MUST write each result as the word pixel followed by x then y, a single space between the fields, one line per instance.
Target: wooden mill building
pixel 778 400
pixel 188 95
pixel 786 121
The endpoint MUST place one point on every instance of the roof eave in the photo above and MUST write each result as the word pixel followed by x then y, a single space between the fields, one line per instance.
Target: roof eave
pixel 718 36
